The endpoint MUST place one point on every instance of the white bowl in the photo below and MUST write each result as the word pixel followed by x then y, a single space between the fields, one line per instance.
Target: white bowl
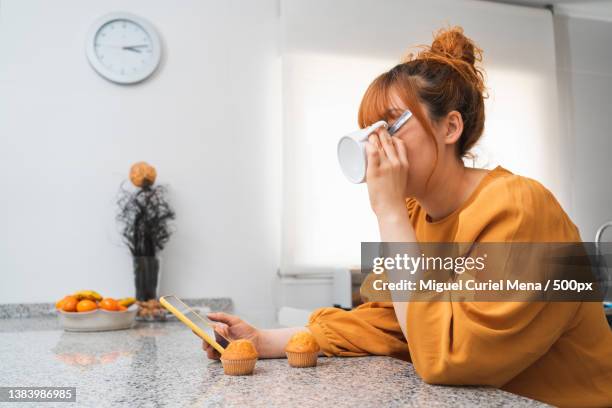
pixel 97 320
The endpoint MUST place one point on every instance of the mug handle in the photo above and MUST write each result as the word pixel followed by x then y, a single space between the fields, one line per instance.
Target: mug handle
pixel 365 133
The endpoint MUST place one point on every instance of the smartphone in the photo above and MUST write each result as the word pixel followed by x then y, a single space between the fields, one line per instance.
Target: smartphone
pixel 201 325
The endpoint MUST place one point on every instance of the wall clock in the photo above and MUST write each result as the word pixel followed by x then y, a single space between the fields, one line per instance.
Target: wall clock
pixel 123 48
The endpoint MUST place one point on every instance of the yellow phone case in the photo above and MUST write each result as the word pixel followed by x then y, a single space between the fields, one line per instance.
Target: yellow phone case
pixel 189 323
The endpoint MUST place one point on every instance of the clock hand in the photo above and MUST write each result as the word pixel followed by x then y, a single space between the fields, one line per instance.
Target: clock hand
pixel 132 49
pixel 124 47
pixel 135 46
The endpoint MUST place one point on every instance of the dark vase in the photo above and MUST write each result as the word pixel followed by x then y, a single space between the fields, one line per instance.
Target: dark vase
pixel 146 277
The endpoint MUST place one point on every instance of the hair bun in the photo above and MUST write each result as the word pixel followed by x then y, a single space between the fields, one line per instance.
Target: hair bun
pixel 451 42
pixel 451 46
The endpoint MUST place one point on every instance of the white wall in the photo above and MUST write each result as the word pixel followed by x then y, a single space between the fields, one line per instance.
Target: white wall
pixel 585 84
pixel 208 120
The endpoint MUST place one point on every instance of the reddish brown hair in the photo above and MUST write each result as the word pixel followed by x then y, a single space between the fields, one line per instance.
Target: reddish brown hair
pixel 444 77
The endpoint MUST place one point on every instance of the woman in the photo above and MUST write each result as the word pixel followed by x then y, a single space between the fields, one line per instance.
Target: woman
pixel 557 352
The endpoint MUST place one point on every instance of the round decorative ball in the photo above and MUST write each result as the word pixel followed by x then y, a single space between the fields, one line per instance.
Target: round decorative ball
pixel 142 174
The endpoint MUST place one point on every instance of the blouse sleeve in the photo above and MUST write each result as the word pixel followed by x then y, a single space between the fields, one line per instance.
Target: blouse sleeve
pixel 370 329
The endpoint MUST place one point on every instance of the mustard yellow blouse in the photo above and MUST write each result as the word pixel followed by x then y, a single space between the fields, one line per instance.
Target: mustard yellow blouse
pixel 557 352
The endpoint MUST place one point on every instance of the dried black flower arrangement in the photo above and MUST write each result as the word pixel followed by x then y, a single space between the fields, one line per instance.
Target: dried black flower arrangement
pixel 144 213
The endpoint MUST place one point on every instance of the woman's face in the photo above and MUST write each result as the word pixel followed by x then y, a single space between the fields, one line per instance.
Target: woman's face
pixel 420 149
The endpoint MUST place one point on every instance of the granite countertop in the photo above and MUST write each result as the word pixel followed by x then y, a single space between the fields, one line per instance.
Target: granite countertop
pixel 162 364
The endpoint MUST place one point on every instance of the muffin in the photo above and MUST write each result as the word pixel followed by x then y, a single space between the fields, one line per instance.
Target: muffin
pixel 302 350
pixel 239 358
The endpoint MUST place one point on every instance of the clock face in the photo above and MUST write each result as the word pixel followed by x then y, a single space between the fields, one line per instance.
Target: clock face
pixel 123 48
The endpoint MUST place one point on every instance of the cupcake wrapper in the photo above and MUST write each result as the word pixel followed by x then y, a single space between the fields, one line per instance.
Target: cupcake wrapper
pixel 301 360
pixel 239 367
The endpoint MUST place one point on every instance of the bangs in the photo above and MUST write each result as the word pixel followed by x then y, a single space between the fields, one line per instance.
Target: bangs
pixel 378 103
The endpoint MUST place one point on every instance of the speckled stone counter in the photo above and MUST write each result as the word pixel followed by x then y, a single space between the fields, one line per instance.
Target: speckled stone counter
pixel 162 364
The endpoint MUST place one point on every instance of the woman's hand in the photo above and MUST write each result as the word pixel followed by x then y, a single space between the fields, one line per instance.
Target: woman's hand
pixel 268 343
pixel 387 174
pixel 232 328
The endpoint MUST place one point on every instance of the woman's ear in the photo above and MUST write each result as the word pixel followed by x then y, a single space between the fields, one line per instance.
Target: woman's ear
pixel 454 127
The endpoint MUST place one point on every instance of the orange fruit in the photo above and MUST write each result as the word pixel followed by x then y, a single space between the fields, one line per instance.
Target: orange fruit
pixel 142 174
pixel 86 305
pixel 69 304
pixel 109 304
pixel 122 308
pixel 60 303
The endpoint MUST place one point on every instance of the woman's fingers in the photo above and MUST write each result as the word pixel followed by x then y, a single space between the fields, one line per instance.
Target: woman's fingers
pixel 400 147
pixel 211 352
pixel 373 154
pixel 374 151
pixel 224 318
pixel 388 146
pixel 375 141
pixel 383 141
pixel 219 328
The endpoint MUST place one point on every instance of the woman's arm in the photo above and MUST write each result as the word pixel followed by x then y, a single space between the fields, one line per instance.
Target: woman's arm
pixel 397 228
pixel 269 343
pixel 386 178
pixel 273 341
pixel 370 329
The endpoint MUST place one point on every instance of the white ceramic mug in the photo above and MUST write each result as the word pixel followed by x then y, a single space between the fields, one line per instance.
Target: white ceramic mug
pixel 352 152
